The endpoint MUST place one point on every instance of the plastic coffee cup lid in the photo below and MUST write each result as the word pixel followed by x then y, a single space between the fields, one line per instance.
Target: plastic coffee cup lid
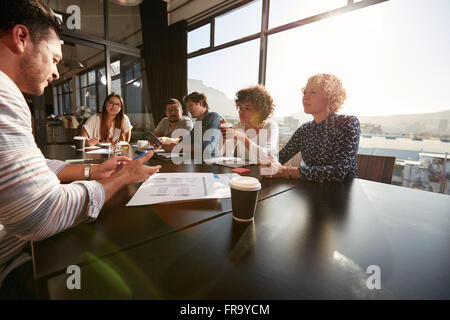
pixel 79 138
pixel 245 184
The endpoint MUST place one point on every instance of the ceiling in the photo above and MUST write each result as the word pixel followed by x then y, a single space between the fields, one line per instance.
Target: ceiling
pixel 125 25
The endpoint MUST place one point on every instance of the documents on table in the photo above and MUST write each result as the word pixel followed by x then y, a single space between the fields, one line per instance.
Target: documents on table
pixel 99 151
pixel 232 162
pixel 85 148
pixel 224 160
pixel 181 186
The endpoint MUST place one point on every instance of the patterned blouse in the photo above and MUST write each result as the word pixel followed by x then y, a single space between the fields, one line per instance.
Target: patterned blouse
pixel 328 148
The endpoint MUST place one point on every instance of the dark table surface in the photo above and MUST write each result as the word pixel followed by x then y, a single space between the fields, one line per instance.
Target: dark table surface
pixel 119 228
pixel 312 241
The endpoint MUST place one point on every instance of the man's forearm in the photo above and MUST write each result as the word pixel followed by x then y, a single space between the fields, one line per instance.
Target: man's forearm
pixel 112 184
pixel 72 172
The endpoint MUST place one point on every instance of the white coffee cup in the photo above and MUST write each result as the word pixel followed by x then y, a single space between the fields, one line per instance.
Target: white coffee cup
pixel 142 144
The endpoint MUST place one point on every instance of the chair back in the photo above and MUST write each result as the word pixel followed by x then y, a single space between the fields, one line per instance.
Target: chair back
pixel 375 168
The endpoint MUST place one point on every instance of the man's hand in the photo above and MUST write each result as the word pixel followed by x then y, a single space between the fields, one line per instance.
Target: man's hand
pixel 108 168
pixel 135 171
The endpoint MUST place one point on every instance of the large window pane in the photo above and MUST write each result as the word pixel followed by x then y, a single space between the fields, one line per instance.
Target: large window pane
pixel 116 86
pixel 91 99
pixel 91 77
pixel 115 68
pixel 83 80
pixel 128 81
pixel 238 23
pixel 286 11
pixel 133 94
pixel 101 95
pixel 222 73
pixel 199 38
pixel 67 98
pixel 396 73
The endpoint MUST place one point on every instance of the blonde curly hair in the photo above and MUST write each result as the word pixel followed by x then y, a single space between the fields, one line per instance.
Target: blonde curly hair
pixel 332 87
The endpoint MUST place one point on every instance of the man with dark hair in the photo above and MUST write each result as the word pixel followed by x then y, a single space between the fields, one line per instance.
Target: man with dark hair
pixel 209 121
pixel 174 120
pixel 34 205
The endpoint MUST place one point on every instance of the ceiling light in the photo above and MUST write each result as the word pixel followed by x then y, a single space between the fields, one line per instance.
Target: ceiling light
pixel 127 3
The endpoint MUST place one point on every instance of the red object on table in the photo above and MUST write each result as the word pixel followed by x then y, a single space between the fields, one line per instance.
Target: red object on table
pixel 241 170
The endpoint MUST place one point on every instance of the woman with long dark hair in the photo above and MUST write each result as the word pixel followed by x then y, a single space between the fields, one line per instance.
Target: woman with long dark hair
pixel 111 125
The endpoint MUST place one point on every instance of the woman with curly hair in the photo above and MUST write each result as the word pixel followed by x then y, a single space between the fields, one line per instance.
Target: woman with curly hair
pixel 328 144
pixel 254 136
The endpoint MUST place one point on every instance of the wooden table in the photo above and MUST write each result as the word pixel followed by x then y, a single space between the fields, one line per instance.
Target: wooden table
pixel 314 241
pixel 119 228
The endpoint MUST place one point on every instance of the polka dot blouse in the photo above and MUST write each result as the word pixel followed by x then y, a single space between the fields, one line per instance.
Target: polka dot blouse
pixel 328 148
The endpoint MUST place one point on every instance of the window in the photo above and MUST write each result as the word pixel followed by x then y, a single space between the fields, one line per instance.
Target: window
pixel 62 98
pixel 88 93
pixel 286 11
pixel 239 23
pixel 219 75
pixel 128 81
pixel 199 38
pixel 395 70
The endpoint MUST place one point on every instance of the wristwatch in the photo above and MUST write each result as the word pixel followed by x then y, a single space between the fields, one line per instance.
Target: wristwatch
pixel 87 172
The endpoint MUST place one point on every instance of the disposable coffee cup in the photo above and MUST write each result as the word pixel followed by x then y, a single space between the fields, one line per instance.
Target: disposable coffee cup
pixel 244 197
pixel 79 143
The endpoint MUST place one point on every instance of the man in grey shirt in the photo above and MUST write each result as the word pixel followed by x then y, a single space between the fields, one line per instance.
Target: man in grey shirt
pixel 174 120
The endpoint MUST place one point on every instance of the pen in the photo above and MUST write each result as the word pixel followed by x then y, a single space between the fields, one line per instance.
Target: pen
pixel 135 158
pixel 140 155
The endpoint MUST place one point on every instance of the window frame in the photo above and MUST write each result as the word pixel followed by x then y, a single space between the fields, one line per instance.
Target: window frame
pixel 265 31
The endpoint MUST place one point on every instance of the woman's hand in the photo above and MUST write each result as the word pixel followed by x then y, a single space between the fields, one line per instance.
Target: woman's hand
pixel 108 168
pixel 92 142
pixel 167 140
pixel 271 168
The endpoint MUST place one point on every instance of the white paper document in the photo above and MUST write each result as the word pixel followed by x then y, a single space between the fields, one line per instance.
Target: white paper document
pixel 86 148
pixel 170 187
pixel 99 151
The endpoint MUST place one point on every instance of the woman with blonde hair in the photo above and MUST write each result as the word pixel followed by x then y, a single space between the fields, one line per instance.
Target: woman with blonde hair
pixel 328 144
pixel 111 125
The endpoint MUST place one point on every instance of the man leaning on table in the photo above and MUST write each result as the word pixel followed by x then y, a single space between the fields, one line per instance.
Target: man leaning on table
pixel 34 205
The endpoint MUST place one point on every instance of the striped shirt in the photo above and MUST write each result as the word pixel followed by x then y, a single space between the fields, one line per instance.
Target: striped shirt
pixel 34 205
